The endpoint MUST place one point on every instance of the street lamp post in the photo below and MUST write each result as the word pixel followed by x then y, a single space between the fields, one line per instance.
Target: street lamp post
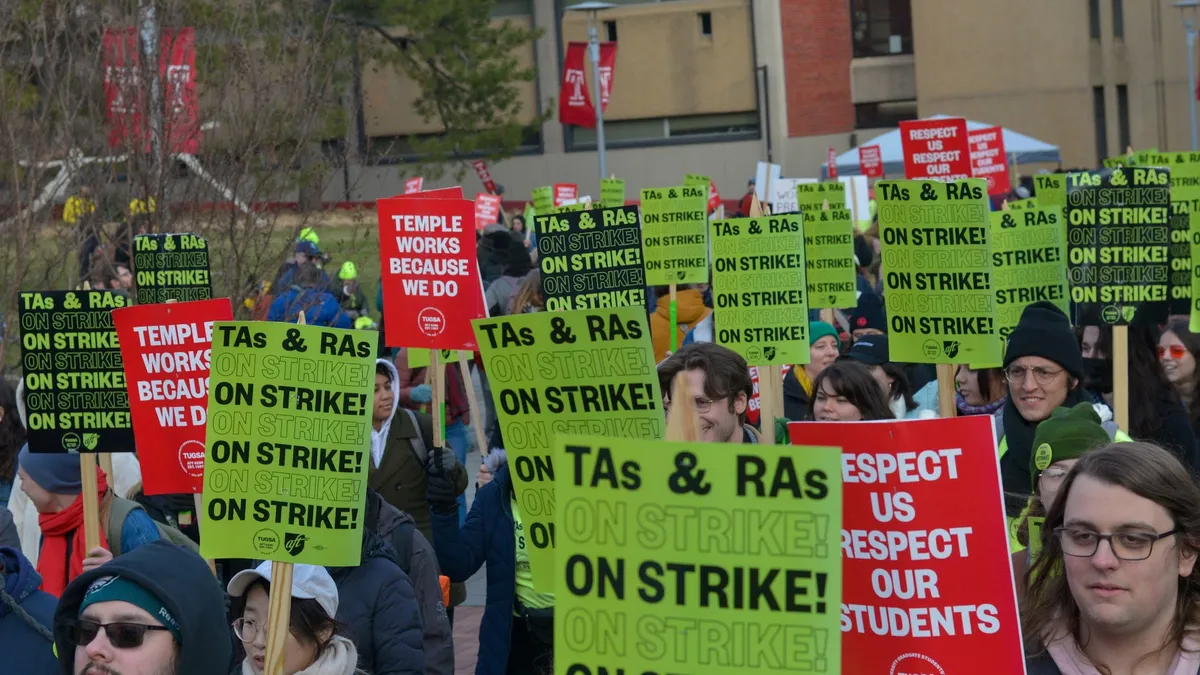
pixel 592 8
pixel 1187 8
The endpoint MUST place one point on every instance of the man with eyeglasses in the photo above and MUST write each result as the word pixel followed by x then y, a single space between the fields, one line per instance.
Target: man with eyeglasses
pixel 720 384
pixel 1114 589
pixel 157 610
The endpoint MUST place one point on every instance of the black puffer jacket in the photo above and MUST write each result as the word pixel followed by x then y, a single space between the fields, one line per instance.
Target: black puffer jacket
pixel 379 610
pixel 797 404
pixel 186 587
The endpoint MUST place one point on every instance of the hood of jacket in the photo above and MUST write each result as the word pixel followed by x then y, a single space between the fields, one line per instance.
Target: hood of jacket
pixel 689 306
pixel 379 438
pixel 373 546
pixel 186 587
pixel 20 577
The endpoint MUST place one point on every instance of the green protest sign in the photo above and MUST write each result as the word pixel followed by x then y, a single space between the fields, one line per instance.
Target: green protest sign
pixel 612 192
pixel 288 442
pixel 702 558
pixel 75 392
pixel 675 235
pixel 1119 160
pixel 171 267
pixel 591 259
pixel 814 195
pixel 1185 209
pixel 829 258
pixel 552 373
pixel 543 198
pixel 937 262
pixel 1029 262
pixel 1118 234
pixel 758 289
pixel 697 180
pixel 1051 189
pixel 1023 204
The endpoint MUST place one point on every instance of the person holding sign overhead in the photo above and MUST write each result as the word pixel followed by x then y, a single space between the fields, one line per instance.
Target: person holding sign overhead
pixel 1114 589
pixel 516 636
pixel 823 347
pixel 313 646
pixel 720 384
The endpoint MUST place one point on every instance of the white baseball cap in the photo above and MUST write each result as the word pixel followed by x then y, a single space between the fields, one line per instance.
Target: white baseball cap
pixel 309 582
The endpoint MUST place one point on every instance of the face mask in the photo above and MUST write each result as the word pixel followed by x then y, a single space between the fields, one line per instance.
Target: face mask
pixel 1097 375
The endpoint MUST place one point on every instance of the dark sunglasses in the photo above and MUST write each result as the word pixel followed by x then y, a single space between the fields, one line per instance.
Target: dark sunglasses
pixel 121 635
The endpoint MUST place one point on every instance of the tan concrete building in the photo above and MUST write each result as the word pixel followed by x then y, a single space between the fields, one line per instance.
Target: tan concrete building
pixel 714 86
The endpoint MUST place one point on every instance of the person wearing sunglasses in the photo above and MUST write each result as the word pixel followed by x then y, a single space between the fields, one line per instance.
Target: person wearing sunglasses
pixel 313 645
pixel 1177 350
pixel 157 610
pixel 1058 442
pixel 1114 590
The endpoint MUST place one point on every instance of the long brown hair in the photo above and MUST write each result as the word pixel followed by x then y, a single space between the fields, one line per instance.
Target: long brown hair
pixel 1147 471
pixel 529 295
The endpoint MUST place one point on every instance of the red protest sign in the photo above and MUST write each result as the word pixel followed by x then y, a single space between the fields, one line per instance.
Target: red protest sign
pixel 870 161
pixel 714 197
pixel 565 193
pixel 485 176
pixel 431 287
pixel 125 93
pixel 413 185
pixel 988 160
pixel 832 162
pixel 755 403
pixel 487 210
pixel 927 585
pixel 935 149
pixel 166 350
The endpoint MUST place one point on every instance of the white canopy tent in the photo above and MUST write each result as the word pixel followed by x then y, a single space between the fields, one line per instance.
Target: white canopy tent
pixel 1019 148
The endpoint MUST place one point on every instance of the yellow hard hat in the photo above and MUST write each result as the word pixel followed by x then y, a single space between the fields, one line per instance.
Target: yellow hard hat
pixel 365 323
pixel 309 234
pixel 348 271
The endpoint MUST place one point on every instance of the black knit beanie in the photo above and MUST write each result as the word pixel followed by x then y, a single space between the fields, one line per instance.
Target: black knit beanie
pixel 1046 332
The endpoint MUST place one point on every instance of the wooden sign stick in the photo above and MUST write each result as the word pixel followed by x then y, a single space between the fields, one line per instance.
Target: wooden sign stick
pixel 1120 361
pixel 91 500
pixel 945 388
pixel 683 424
pixel 279 606
pixel 673 313
pixel 477 412
pixel 770 400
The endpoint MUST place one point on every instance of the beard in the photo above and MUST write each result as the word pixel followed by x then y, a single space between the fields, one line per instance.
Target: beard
pixel 93 668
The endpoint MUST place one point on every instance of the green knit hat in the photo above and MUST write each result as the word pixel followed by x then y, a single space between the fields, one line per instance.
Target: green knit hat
pixel 819 329
pixel 1066 434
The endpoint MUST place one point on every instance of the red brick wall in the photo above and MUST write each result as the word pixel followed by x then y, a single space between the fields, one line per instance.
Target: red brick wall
pixel 816 66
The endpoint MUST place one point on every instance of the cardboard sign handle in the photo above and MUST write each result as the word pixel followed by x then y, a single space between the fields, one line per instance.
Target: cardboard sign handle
pixel 91 501
pixel 106 466
pixel 279 614
pixel 1120 361
pixel 683 424
pixel 945 388
pixel 473 402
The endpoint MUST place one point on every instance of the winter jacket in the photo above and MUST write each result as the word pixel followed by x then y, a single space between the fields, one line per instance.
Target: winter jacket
pixel 797 404
pixel 8 531
pixel 320 308
pixel 437 637
pixel 186 587
pixel 377 606
pixel 689 311
pixel 286 276
pixel 500 293
pixel 485 538
pixel 353 302
pixel 25 636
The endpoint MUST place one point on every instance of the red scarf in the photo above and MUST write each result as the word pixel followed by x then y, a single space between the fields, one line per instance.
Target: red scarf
pixel 63 532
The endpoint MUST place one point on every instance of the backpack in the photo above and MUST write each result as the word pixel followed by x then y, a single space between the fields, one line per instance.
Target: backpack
pixel 120 510
pixel 176 510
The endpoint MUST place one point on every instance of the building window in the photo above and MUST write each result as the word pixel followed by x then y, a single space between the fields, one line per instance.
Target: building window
pixel 1094 18
pixel 401 149
pixel 1123 117
pixel 1101 125
pixel 706 24
pixel 668 131
pixel 881 27
pixel 610 29
pixel 1118 19
pixel 883 114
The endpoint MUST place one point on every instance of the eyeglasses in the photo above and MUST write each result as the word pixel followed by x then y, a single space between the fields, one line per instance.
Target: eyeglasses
pixel 245 630
pixel 1177 352
pixel 1043 376
pixel 122 634
pixel 702 404
pixel 1129 546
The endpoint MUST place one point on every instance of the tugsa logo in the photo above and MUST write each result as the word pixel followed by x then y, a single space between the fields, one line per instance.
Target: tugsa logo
pixel 913 663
